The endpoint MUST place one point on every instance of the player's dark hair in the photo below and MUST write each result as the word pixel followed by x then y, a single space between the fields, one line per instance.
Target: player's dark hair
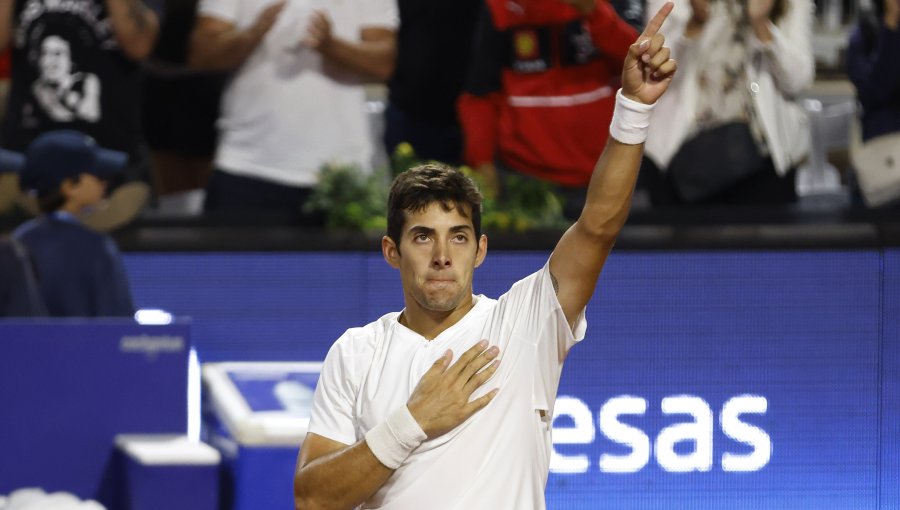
pixel 423 185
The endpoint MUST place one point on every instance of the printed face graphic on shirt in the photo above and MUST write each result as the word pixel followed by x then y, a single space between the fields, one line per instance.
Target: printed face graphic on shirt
pixel 64 95
pixel 56 59
pixel 437 258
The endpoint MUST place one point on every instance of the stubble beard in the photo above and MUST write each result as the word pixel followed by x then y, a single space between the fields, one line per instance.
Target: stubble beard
pixel 440 302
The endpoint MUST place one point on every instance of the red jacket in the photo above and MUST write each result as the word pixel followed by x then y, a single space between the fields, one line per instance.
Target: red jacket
pixel 541 87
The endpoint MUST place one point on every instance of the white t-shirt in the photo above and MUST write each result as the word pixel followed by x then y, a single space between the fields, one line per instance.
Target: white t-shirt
pixel 285 112
pixel 498 459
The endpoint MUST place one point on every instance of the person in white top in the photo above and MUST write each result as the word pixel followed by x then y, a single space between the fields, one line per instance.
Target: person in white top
pixel 416 410
pixel 744 61
pixel 296 100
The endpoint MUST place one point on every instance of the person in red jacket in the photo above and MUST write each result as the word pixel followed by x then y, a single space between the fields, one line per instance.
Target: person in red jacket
pixel 541 89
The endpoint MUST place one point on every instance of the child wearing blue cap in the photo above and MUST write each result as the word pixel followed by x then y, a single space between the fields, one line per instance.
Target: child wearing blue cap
pixel 80 271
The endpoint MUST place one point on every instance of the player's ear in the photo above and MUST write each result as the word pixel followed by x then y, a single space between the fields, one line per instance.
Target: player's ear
pixel 482 250
pixel 390 251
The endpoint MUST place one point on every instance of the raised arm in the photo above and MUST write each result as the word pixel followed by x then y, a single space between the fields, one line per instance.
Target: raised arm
pixel 218 45
pixel 787 48
pixel 579 256
pixel 6 22
pixel 135 26
pixel 332 475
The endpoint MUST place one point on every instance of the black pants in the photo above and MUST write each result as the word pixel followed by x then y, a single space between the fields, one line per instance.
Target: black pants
pixel 429 140
pixel 762 187
pixel 228 193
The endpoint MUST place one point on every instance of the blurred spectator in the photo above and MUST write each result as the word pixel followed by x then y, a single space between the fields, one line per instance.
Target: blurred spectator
pixel 75 65
pixel 9 182
pixel 296 101
pixel 874 68
pixel 180 108
pixel 631 11
pixel 19 296
pixel 540 92
pixel 5 64
pixel 733 131
pixel 433 47
pixel 79 270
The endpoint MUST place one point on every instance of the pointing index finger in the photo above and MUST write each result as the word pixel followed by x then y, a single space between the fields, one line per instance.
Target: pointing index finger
pixel 656 23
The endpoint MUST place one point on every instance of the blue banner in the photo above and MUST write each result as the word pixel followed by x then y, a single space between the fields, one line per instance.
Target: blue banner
pixel 68 387
pixel 708 380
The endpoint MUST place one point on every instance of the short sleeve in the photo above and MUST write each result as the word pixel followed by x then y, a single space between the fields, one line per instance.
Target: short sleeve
pixel 332 414
pixel 536 312
pixel 379 13
pixel 537 316
pixel 226 10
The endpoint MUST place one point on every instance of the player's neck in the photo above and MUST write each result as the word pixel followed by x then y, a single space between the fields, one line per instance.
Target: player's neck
pixel 431 323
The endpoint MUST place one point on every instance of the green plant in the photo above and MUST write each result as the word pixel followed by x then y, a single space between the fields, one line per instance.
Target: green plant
pixel 356 201
pixel 351 199
pixel 526 204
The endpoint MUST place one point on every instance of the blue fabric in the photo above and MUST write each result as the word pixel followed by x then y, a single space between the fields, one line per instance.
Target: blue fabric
pixel 79 271
pixel 876 75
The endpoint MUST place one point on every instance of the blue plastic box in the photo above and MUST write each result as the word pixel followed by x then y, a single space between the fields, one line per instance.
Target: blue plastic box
pixel 257 414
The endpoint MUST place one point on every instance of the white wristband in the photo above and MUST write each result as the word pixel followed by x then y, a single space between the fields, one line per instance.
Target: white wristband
pixel 631 120
pixel 395 438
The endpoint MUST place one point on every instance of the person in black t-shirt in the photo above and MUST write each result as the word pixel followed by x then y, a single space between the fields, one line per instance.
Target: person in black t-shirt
pixel 75 66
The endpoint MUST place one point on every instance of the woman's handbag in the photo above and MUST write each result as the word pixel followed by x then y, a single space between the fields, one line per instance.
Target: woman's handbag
pixel 877 166
pixel 714 160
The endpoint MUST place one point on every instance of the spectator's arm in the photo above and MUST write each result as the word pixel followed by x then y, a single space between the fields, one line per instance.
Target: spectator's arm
pixel 218 45
pixel 479 105
pixel 135 27
pixel 6 22
pixel 478 117
pixel 876 75
pixel 787 48
pixel 373 56
pixel 610 33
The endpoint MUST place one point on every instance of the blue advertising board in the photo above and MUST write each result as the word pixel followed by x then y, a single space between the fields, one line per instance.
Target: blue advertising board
pixel 68 387
pixel 890 383
pixel 738 380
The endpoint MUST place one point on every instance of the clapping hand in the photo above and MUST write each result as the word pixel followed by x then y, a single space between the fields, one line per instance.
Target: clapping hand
pixel 891 13
pixel 318 32
pixel 759 11
pixel 266 19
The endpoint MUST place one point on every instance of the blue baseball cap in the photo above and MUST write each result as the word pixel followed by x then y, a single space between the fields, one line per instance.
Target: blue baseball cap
pixel 59 155
pixel 11 162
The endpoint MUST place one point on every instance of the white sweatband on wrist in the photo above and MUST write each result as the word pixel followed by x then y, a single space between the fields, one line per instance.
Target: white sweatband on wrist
pixel 395 438
pixel 631 120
